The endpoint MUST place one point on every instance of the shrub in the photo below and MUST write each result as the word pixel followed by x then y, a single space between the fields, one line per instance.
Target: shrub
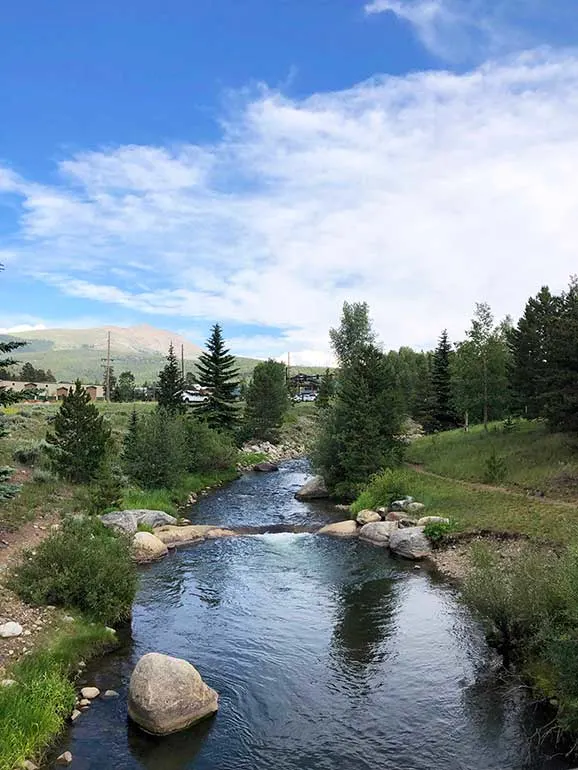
pixel 106 492
pixel 383 488
pixel 83 565
pixel 155 451
pixel 31 454
pixel 208 450
pixel 437 531
pixel 142 526
pixel 151 499
pixel 43 476
pixel 496 469
pixel 7 489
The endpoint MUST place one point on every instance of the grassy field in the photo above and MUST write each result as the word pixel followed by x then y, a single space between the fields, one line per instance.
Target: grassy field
pixel 530 457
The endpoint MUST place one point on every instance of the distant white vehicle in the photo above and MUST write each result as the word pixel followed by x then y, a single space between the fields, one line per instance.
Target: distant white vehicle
pixel 309 397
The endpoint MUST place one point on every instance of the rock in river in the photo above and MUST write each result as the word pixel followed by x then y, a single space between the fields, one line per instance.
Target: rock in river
pixel 128 521
pixel 314 489
pixel 265 467
pixel 365 517
pixel 410 543
pixel 10 629
pixel 378 532
pixel 167 694
pixel 340 529
pixel 147 547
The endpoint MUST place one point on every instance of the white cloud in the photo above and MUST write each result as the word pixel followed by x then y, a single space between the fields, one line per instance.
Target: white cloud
pixel 22 328
pixel 420 194
pixel 468 29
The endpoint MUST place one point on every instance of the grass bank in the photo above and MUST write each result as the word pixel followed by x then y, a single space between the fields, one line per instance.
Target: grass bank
pixel 35 709
pixel 529 457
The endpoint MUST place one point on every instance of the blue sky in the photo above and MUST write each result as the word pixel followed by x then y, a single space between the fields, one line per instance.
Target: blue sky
pixel 258 162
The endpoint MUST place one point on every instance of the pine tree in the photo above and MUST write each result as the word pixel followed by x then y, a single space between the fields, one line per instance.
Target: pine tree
pixel 130 446
pixel 80 439
pixel 530 343
pixel 326 389
pixel 171 385
pixel 443 412
pixel 267 401
pixel 217 371
pixel 8 396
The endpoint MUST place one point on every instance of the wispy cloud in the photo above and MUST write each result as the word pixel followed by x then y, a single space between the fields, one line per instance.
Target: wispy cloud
pixel 472 30
pixel 420 194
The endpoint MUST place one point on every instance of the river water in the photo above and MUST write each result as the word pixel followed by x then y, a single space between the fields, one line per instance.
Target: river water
pixel 327 654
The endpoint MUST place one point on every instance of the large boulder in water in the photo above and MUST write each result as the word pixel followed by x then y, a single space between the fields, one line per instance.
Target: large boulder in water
pixel 128 521
pixel 147 547
pixel 378 532
pixel 314 489
pixel 167 695
pixel 410 543
pixel 265 467
pixel 347 528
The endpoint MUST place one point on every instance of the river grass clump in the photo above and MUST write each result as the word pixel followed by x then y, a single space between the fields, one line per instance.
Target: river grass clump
pixel 85 566
pixel 530 609
pixel 35 707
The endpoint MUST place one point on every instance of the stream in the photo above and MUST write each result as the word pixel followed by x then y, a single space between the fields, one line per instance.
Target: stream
pixel 327 654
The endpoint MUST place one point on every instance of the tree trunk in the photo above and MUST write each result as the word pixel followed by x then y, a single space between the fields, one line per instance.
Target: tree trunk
pixel 467 421
pixel 485 393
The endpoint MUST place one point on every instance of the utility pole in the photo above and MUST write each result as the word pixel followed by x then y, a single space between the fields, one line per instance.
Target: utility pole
pixel 107 396
pixel 183 362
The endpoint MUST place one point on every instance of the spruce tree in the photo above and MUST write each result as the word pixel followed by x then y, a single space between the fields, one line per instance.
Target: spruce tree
pixel 326 389
pixel 267 401
pixel 80 439
pixel 218 373
pixel 7 395
pixel 443 412
pixel 171 385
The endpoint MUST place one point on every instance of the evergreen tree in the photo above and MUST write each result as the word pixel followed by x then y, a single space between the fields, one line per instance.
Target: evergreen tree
pixel 443 412
pixel 124 389
pixel 560 397
pixel 530 344
pixel 217 371
pixel 422 406
pixel 7 395
pixel 130 446
pixel 171 385
pixel 80 439
pixel 109 382
pixel 354 332
pixel 326 389
pixel 359 433
pixel 267 401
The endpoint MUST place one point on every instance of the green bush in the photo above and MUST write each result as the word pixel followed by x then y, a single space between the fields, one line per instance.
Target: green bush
pixel 208 450
pixel 142 526
pixel 43 476
pixel 496 469
pixel 85 566
pixel 383 488
pixel 437 531
pixel 155 451
pixel 31 454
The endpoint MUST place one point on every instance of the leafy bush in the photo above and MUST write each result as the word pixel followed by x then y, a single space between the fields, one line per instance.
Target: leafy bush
pixel 155 451
pixel 83 565
pixel 7 489
pixel 43 476
pixel 142 526
pixel 208 450
pixel 31 454
pixel 151 499
pixel 106 491
pixel 383 488
pixel 437 531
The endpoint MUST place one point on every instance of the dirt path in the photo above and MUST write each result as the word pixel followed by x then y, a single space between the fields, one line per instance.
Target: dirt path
pixel 480 487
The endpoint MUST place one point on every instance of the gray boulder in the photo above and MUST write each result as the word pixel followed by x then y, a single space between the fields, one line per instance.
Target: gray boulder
pixel 314 489
pixel 401 505
pixel 414 507
pixel 365 517
pixel 411 543
pixel 378 532
pixel 347 528
pixel 167 695
pixel 10 629
pixel 128 521
pixel 265 467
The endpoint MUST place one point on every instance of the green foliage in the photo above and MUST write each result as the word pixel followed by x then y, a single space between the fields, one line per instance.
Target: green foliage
pixel 43 476
pixel 438 531
pixel 383 488
pixel 124 388
pixel 106 491
pixel 509 425
pixel 354 333
pixel 150 499
pixel 358 432
pixel 80 438
pixel 35 710
pixel 7 489
pixel 83 565
pixel 208 449
pixel 170 386
pixel 142 526
pixel 326 389
pixel 266 401
pixel 443 412
pixel 496 468
pixel 218 372
pixel 155 451
pixel 31 454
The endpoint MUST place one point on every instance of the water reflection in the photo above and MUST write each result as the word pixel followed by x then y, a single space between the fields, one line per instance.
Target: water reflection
pixel 172 752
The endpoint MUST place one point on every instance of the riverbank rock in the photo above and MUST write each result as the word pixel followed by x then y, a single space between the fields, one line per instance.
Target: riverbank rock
pixel 147 547
pixel 347 528
pixel 217 532
pixel 314 489
pixel 265 467
pixel 10 629
pixel 366 517
pixel 432 520
pixel 64 759
pixel 401 518
pixel 128 521
pixel 410 543
pixel 90 693
pixel 174 535
pixel 167 695
pixel 414 507
pixel 401 505
pixel 378 532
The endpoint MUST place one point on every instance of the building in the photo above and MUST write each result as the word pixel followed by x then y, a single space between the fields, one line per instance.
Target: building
pixel 49 391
